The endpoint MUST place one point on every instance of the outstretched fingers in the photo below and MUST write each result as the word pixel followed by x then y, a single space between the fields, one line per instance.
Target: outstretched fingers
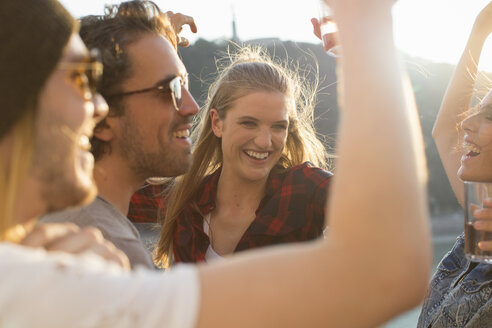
pixel 178 20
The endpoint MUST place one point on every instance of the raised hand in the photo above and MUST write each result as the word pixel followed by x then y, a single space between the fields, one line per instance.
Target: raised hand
pixel 178 20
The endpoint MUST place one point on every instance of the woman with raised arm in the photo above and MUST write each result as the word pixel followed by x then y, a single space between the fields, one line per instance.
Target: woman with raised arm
pixel 374 263
pixel 459 294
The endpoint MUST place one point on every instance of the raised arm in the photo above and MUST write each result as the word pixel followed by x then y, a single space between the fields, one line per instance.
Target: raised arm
pixel 376 259
pixel 458 98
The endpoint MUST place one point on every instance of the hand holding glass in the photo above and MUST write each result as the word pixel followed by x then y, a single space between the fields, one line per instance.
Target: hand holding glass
pixel 329 30
pixel 475 194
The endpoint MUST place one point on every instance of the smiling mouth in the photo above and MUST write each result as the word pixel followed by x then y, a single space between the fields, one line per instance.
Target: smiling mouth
pixel 472 150
pixel 256 155
pixel 181 134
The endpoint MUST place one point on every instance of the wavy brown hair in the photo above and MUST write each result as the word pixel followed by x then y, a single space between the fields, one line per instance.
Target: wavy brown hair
pixel 246 71
pixel 112 33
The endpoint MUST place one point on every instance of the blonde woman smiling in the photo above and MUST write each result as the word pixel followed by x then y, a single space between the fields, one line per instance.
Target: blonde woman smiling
pixel 257 177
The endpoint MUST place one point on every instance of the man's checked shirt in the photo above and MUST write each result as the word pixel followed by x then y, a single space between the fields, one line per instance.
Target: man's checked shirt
pixel 147 204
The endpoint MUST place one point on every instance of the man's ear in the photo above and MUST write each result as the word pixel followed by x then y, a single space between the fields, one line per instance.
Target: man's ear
pixel 217 124
pixel 104 129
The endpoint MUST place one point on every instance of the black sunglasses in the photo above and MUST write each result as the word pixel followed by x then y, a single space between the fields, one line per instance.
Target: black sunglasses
pixel 173 84
pixel 88 72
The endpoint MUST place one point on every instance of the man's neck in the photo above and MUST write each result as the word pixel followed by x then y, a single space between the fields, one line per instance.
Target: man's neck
pixel 115 182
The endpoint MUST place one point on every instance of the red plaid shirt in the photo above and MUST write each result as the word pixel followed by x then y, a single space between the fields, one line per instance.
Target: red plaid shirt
pixel 145 204
pixel 292 210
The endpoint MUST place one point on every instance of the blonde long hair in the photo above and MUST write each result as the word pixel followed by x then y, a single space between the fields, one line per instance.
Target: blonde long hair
pixel 13 170
pixel 247 70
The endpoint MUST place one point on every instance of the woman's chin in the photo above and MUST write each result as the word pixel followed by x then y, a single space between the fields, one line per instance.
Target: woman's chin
pixel 469 175
pixel 84 181
pixel 465 176
pixel 85 168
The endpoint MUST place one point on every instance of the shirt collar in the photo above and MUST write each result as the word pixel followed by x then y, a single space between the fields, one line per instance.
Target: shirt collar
pixel 208 192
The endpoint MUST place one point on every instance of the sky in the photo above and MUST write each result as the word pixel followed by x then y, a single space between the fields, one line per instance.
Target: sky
pixel 432 29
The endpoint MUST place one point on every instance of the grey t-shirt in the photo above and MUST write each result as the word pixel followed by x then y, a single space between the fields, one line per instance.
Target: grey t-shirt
pixel 114 226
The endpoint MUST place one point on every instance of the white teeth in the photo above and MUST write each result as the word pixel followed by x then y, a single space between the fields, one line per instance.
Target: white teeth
pixel 472 148
pixel 256 154
pixel 182 134
pixel 84 143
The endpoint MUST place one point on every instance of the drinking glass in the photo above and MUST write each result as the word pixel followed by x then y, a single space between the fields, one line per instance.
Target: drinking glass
pixel 475 194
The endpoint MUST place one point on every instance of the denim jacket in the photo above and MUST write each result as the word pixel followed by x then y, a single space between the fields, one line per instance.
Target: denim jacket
pixel 459 294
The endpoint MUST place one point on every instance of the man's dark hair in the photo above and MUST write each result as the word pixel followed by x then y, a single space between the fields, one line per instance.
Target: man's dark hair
pixel 111 33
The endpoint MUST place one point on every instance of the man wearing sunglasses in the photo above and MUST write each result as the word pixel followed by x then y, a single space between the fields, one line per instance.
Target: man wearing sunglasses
pixel 146 133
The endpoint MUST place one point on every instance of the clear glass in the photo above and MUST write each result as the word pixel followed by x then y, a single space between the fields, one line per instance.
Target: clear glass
pixel 475 193
pixel 329 30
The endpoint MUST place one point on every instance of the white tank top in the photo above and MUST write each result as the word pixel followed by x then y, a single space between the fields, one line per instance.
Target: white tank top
pixel 211 254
